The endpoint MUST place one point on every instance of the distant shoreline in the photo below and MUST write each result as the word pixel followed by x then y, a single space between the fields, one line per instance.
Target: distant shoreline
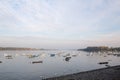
pixel 100 49
pixel 109 73
pixel 22 49
pixel 17 48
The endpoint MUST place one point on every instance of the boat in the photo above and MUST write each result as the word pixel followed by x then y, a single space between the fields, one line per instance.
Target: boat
pixel 8 56
pixel 37 62
pixel 52 55
pixel 103 62
pixel 67 58
pixel 42 55
pixel 32 56
pixel 74 55
pixel 67 55
pixel 0 61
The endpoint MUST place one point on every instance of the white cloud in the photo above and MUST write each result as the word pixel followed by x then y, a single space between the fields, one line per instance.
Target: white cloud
pixel 59 19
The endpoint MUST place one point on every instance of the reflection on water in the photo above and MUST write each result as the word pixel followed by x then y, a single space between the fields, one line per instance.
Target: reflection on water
pixel 29 65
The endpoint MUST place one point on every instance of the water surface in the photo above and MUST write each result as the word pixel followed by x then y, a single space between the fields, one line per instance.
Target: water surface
pixel 20 67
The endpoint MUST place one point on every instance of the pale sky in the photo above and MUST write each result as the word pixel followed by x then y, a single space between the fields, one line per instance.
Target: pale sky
pixel 59 23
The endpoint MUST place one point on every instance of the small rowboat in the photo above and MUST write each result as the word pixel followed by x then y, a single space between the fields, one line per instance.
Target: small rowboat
pixel 37 62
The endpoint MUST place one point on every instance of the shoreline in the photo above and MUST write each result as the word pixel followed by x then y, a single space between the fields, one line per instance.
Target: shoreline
pixel 108 73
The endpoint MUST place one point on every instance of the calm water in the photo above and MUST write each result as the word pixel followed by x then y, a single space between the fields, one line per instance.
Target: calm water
pixel 20 67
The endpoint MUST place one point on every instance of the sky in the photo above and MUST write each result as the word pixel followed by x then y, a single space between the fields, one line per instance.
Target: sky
pixel 65 24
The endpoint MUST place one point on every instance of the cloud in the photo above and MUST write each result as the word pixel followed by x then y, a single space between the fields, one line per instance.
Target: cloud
pixel 60 19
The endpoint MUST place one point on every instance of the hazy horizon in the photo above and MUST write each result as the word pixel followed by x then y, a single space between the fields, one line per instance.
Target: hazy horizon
pixel 59 24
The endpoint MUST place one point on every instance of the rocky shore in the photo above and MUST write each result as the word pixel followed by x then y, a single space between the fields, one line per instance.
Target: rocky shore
pixel 109 73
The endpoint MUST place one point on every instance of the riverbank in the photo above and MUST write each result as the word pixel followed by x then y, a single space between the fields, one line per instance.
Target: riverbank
pixel 109 73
